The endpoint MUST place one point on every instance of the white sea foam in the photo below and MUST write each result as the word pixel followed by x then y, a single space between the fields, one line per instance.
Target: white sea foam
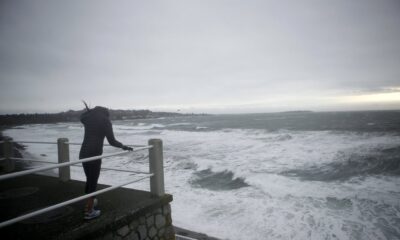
pixel 139 126
pixel 273 206
pixel 180 124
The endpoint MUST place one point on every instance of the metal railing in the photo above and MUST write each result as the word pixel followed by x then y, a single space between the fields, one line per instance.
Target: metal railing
pixel 156 172
pixel 179 237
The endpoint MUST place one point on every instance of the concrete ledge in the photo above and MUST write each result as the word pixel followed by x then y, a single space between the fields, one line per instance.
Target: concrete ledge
pixel 24 194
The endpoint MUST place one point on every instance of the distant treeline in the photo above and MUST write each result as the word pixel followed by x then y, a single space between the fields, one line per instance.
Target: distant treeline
pixel 73 116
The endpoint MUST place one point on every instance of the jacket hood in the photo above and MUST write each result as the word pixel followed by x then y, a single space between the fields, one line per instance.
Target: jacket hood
pixel 95 113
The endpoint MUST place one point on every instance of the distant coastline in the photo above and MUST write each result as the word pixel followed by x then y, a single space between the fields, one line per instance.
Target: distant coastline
pixel 73 116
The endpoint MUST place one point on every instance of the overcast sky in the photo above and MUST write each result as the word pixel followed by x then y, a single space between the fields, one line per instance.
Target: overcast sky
pixel 200 56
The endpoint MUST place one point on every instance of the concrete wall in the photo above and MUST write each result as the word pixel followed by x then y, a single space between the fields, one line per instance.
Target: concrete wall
pixel 153 225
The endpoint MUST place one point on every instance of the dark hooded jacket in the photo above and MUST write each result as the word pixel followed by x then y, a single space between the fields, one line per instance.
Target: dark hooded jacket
pixel 97 127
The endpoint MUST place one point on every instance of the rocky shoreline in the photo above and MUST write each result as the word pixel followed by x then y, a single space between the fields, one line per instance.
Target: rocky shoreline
pixel 17 147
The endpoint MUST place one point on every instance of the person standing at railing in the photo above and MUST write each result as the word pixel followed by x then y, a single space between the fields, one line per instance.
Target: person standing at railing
pixel 97 126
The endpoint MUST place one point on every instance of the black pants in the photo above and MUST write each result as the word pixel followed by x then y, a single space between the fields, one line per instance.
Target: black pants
pixel 92 172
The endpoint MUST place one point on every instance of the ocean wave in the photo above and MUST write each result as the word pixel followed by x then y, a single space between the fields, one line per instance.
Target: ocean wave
pixel 187 127
pixel 382 162
pixel 180 124
pixel 75 127
pixel 140 126
pixel 278 137
pixel 217 181
pixel 339 204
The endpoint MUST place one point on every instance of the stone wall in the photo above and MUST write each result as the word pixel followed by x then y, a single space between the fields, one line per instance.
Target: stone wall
pixel 153 225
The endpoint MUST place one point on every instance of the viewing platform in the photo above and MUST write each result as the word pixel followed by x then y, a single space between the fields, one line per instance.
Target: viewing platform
pixel 46 207
pixel 126 213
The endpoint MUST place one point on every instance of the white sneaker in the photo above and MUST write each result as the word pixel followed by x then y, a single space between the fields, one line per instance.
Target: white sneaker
pixel 92 214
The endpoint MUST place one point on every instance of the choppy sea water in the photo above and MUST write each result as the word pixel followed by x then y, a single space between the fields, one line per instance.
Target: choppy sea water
pixel 263 176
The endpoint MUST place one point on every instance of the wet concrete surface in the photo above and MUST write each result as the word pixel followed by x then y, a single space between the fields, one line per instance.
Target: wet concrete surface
pixel 25 194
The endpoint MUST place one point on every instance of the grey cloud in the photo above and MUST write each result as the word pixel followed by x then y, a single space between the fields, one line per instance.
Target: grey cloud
pixel 153 53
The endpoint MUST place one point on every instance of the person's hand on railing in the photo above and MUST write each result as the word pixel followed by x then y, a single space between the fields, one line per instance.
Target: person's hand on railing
pixel 126 148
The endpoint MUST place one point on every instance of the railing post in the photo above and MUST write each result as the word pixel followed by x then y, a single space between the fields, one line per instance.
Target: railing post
pixel 156 167
pixel 63 156
pixel 8 148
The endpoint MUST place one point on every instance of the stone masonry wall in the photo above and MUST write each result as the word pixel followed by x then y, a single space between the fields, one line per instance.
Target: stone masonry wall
pixel 154 225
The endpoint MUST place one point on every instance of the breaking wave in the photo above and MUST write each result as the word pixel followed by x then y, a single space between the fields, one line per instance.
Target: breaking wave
pixel 217 181
pixel 382 162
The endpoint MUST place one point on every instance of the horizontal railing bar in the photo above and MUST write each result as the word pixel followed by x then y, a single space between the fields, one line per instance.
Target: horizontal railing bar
pixel 102 168
pixel 136 149
pixel 123 170
pixel 1 142
pixel 26 172
pixel 2 159
pixel 108 145
pixel 32 214
pixel 184 237
pixel 36 160
pixel 74 143
pixel 36 142
pixel 32 160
